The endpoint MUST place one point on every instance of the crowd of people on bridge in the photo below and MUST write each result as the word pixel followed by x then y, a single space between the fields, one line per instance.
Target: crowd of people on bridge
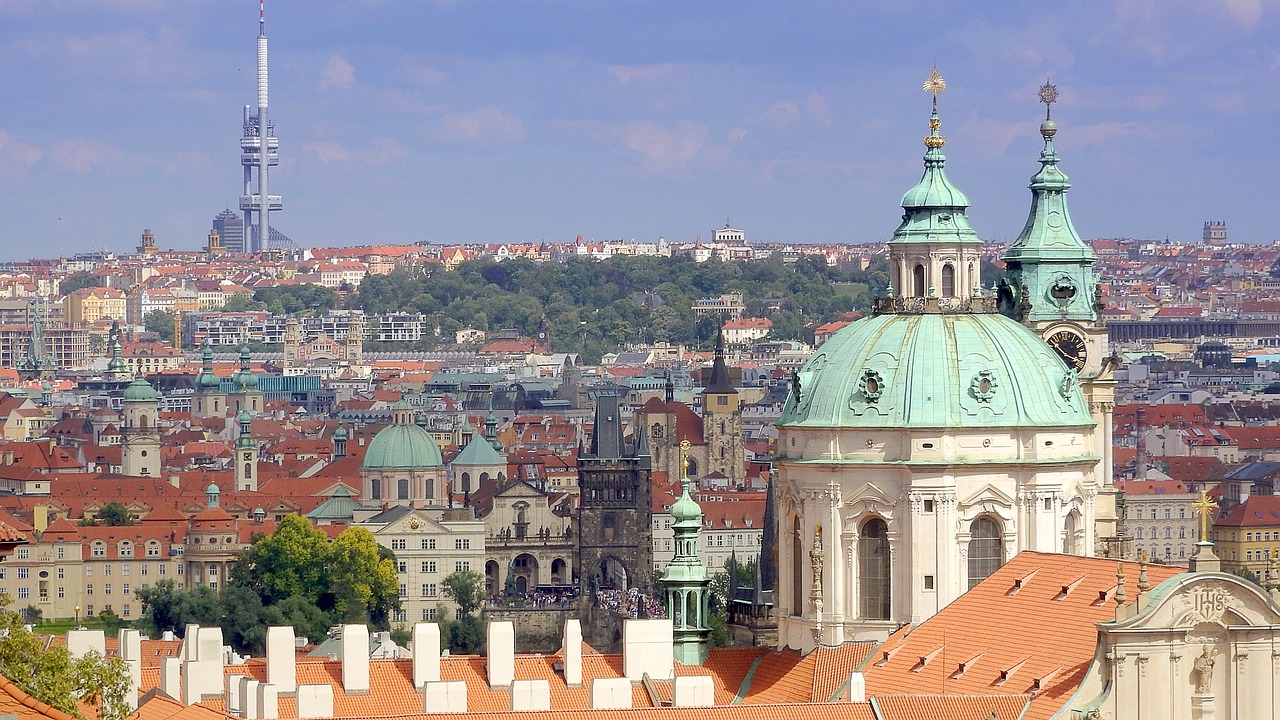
pixel 630 602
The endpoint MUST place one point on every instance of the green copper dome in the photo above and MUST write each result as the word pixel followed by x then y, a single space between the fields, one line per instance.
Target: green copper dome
pixel 685 510
pixel 402 445
pixel 963 370
pixel 245 379
pixel 207 380
pixel 140 391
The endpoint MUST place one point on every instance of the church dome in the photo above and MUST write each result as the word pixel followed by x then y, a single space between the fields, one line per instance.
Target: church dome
pixel 402 445
pixel 686 510
pixel 140 391
pixel 958 370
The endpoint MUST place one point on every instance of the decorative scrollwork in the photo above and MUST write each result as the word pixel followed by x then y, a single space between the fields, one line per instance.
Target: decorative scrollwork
pixel 871 385
pixel 983 386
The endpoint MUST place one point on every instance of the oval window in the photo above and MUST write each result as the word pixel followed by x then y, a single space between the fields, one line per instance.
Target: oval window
pixel 873 387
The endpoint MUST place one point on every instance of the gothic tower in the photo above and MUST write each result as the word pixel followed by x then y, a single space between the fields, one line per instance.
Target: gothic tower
pixel 722 421
pixel 1053 290
pixel 292 346
pixel 354 345
pixel 615 536
pixel 246 461
pixel 140 451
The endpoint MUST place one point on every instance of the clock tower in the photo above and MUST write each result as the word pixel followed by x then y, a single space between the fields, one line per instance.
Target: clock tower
pixel 1052 289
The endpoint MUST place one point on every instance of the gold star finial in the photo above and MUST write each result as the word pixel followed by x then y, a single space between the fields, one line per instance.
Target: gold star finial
pixel 1048 95
pixel 935 85
pixel 684 458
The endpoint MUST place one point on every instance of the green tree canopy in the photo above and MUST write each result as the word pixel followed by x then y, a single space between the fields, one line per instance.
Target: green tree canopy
pixel 290 561
pixel 114 513
pixel 365 585
pixel 465 587
pixel 160 323
pixel 76 281
pixel 51 675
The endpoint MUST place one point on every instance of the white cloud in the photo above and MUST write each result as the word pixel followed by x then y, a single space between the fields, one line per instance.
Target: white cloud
pixel 16 157
pixel 378 152
pixel 430 77
pixel 663 148
pixel 338 73
pixel 485 126
pixel 326 150
pixel 82 156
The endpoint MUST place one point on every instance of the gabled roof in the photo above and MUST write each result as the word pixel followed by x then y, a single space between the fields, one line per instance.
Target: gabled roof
pixel 479 452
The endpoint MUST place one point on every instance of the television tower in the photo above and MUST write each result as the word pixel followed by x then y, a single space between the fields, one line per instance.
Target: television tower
pixel 259 152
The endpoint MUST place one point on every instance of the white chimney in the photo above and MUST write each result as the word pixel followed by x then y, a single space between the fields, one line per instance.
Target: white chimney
pixel 234 699
pixel 857 688
pixel 267 705
pixel 610 694
pixel 249 698
pixel 131 653
pixel 693 691
pixel 530 695
pixel 191 642
pixel 444 697
pixel 501 644
pixel 648 646
pixel 573 652
pixel 426 653
pixel 171 677
pixel 167 636
pixel 282 659
pixel 82 642
pixel 315 701
pixel 355 658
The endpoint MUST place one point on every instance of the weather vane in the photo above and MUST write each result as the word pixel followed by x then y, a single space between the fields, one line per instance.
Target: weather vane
pixel 1048 96
pixel 935 85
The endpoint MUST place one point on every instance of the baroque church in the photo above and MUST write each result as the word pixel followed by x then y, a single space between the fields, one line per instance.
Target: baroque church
pixel 922 447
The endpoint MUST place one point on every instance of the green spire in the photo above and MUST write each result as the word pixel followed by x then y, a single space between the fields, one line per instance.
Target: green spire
pixel 935 209
pixel 207 381
pixel 245 441
pixel 685 581
pixel 1049 261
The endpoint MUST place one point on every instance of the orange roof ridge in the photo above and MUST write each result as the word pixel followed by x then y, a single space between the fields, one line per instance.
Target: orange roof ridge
pixel 24 698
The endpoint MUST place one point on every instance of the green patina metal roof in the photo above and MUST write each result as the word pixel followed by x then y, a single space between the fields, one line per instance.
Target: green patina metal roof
pixel 935 209
pixel 140 391
pixel 401 446
pixel 960 370
pixel 479 452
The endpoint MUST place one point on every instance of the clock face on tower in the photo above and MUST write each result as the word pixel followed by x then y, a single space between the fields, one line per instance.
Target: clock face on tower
pixel 1071 347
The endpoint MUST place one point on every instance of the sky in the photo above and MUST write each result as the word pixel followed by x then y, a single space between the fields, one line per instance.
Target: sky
pixel 466 121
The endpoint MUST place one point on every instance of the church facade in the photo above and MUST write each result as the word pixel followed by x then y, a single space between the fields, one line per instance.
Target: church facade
pixel 923 447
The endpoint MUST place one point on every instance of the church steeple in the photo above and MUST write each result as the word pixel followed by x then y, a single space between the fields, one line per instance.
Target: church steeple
pixel 934 253
pixel 1051 267
pixel 685 581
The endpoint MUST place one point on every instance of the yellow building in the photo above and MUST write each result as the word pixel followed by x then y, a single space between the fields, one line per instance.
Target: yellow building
pixel 91 305
pixel 1248 535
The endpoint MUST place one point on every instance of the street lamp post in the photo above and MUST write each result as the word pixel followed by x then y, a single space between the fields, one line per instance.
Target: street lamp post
pixel 77 616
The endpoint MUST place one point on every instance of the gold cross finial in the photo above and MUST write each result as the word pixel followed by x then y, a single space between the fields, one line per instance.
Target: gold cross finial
pixel 1204 506
pixel 935 85
pixel 684 458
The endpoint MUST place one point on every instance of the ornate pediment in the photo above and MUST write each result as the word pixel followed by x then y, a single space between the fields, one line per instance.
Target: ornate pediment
pixel 1197 600
pixel 869 497
pixel 988 494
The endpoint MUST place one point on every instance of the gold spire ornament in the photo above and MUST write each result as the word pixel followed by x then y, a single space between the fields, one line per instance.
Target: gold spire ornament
pixel 1048 95
pixel 1204 506
pixel 935 85
pixel 684 458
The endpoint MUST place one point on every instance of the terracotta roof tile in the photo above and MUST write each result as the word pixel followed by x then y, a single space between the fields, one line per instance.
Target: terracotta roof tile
pixel 951 707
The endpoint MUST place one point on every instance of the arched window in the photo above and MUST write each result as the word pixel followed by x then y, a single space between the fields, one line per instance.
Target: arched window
pixel 466 482
pixel 1168 533
pixel 874 570
pixel 1071 539
pixel 402 489
pixel 918 281
pixel 797 569
pixel 986 549
pixel 948 280
pixel 248 470
pixel 143 422
pixel 693 468
pixel 375 489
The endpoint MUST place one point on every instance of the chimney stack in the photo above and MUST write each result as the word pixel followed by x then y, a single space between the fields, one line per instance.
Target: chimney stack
pixel 355 658
pixel 426 654
pixel 282 659
pixel 501 646
pixel 573 652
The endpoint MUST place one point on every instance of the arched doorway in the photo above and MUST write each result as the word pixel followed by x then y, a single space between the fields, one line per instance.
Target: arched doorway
pixel 526 572
pixel 874 570
pixel 948 280
pixel 558 575
pixel 491 582
pixel 917 277
pixel 1071 540
pixel 986 549
pixel 613 574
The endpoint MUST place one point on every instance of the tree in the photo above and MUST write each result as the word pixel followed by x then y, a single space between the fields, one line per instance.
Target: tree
pixel 76 281
pixel 364 582
pixel 466 588
pixel 160 323
pixel 466 635
pixel 50 674
pixel 114 513
pixel 290 561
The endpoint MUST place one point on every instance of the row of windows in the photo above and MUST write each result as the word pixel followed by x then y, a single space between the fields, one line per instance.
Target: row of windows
pixel 1168 552
pixel 106 589
pixel 428 544
pixel 1262 536
pixel 1139 514
pixel 1168 533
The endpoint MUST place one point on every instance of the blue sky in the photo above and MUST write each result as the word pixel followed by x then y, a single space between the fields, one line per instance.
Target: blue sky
pixel 478 121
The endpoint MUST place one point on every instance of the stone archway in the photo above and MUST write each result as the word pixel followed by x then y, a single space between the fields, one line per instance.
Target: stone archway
pixel 525 568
